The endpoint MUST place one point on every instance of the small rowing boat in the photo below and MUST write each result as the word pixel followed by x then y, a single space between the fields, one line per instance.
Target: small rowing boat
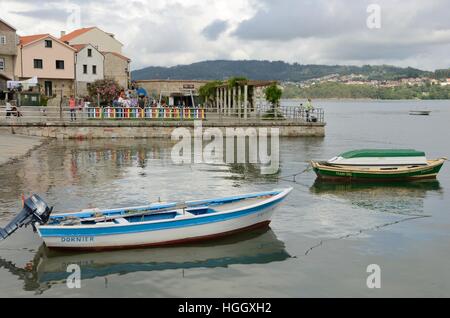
pixel 157 224
pixel 379 165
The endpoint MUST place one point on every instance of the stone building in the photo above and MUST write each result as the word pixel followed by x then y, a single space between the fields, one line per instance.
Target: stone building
pixel 117 67
pixel 176 91
pixel 8 53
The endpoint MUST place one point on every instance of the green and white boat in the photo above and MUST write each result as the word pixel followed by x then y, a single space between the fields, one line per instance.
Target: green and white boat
pixel 379 165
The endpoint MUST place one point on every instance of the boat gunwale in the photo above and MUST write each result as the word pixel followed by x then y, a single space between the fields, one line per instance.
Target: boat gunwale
pixel 279 195
pixel 355 169
pixel 160 206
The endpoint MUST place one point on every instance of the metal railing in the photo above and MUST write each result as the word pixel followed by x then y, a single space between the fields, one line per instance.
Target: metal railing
pixel 296 113
pixel 261 113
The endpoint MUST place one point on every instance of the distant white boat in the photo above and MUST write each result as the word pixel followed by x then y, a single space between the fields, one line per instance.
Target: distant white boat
pixel 420 112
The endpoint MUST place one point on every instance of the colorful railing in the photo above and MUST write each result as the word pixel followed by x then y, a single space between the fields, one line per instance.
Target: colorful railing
pixel 168 113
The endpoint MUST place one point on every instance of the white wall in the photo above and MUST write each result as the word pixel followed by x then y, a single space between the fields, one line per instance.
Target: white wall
pixel 83 59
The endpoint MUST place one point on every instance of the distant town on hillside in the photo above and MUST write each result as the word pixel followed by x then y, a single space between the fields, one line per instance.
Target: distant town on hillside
pixel 317 81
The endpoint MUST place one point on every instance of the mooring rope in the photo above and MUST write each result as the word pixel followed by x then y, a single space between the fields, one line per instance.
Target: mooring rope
pixel 409 217
pixel 362 231
pixel 295 175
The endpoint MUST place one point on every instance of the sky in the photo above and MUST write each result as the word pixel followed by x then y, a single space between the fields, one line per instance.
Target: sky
pixel 412 33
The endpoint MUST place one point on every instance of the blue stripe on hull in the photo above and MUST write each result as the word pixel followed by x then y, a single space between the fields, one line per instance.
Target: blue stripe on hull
pixel 139 228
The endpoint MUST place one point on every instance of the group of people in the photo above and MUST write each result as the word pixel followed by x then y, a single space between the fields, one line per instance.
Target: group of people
pixel 134 99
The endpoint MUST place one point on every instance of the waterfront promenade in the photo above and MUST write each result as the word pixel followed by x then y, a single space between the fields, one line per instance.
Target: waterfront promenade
pixel 96 123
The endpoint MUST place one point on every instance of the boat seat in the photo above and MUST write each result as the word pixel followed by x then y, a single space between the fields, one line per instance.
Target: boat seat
pixel 121 221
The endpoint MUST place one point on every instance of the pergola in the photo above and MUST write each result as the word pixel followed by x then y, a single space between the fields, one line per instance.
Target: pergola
pixel 240 99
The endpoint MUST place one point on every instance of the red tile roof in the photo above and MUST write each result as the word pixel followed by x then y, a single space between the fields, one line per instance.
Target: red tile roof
pixel 72 35
pixel 79 47
pixel 24 40
pixel 118 55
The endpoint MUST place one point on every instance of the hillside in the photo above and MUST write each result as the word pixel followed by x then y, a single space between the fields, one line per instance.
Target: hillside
pixel 266 70
pixel 343 91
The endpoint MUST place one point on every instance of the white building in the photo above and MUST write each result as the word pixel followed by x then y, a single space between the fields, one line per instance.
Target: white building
pixel 89 67
pixel 102 40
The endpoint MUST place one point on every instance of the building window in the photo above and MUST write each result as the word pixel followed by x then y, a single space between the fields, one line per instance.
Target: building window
pixel 84 69
pixel 2 64
pixel 48 43
pixel 94 69
pixel 89 52
pixel 38 63
pixel 2 39
pixel 59 65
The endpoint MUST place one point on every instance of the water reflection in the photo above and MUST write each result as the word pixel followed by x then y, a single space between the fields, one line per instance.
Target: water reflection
pixel 49 268
pixel 397 197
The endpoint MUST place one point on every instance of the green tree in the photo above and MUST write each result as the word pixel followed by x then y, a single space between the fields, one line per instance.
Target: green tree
pixel 273 96
pixel 107 89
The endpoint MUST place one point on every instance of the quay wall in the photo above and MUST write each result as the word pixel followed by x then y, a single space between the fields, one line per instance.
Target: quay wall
pixel 149 130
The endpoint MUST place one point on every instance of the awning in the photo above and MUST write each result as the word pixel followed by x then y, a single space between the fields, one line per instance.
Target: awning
pixel 25 84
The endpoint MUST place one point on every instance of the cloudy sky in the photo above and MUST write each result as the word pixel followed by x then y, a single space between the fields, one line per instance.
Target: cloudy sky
pixel 170 32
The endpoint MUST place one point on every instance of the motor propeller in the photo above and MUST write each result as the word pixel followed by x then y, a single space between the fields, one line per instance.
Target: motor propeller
pixel 34 210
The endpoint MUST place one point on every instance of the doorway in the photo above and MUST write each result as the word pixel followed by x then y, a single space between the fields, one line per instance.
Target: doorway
pixel 48 88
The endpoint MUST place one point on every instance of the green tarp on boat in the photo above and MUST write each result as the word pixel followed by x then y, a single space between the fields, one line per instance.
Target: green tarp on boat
pixel 379 153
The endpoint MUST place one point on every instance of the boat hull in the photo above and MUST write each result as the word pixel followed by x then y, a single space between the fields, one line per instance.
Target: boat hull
pixel 155 234
pixel 359 174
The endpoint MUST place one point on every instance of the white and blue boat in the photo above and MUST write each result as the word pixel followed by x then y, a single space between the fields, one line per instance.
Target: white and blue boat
pixel 157 224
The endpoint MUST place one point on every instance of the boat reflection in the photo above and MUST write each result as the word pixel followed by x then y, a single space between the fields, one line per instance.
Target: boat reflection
pixel 49 268
pixel 401 197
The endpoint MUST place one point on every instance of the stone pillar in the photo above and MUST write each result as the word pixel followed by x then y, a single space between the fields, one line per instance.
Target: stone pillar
pixel 217 99
pixel 245 101
pixel 239 101
pixel 234 101
pixel 220 101
pixel 224 100
pixel 229 102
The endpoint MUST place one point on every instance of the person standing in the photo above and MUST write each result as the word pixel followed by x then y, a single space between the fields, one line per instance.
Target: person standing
pixel 308 109
pixel 9 109
pixel 72 107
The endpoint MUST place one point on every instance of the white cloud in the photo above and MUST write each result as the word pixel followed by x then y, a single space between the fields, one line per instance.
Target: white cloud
pixel 171 32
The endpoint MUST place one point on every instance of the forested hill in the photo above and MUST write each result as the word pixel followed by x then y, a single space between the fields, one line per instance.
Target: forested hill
pixel 266 70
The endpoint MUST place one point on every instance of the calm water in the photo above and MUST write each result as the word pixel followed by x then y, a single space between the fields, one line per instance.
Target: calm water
pixel 321 241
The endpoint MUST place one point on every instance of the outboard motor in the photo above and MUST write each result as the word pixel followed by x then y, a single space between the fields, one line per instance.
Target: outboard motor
pixel 34 210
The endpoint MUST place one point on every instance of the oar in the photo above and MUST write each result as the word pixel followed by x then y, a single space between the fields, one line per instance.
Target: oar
pixel 106 218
